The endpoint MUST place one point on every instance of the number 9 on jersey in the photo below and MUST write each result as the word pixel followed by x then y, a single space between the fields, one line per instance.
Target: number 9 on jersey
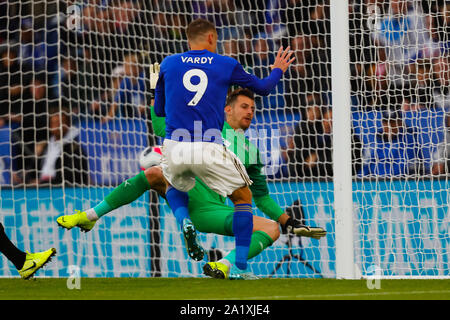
pixel 198 88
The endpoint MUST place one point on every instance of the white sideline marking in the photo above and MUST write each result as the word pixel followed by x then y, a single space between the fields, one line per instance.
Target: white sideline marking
pixel 338 295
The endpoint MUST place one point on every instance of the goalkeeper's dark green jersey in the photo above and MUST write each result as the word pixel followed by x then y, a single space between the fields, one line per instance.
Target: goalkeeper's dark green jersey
pixel 247 152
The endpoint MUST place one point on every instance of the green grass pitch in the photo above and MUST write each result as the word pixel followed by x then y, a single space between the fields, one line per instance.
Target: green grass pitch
pixel 214 289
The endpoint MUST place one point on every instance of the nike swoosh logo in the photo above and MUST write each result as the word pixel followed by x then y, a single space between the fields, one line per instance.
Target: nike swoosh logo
pixel 33 266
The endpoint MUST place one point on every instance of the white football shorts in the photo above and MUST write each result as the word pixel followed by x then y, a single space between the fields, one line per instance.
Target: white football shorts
pixel 220 169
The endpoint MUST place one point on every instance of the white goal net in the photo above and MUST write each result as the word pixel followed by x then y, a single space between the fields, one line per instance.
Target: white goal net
pixel 75 116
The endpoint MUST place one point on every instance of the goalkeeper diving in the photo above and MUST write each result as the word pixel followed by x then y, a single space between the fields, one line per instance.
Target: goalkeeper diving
pixel 207 210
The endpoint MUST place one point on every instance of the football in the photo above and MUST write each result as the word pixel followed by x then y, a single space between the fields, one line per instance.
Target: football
pixel 150 156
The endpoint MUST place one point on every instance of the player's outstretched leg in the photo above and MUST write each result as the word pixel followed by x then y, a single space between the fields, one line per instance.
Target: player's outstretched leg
pixel 127 192
pixel 35 261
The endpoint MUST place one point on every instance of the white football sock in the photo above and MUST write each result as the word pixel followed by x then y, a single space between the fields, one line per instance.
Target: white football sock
pixel 91 215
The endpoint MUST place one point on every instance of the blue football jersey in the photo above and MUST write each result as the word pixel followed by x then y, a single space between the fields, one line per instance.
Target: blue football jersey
pixel 192 90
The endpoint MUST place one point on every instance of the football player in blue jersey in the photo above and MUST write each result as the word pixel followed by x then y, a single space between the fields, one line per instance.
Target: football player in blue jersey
pixel 191 92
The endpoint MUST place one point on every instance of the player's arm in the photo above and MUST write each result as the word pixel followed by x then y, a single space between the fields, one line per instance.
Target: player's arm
pixel 259 86
pixel 260 192
pixel 266 85
pixel 160 99
pixel 158 123
pixel 270 207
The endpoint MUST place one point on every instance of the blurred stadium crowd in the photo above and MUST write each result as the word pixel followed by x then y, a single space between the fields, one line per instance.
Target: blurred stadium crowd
pixel 88 59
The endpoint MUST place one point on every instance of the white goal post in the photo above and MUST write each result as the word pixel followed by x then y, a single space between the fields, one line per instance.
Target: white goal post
pixel 342 179
pixel 346 219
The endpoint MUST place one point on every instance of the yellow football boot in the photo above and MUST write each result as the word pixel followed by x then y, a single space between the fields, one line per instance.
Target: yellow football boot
pixel 78 219
pixel 35 261
pixel 216 270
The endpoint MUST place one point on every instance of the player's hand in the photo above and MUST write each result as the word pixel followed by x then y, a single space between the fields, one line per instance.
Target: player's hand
pixel 283 59
pixel 154 74
pixel 296 227
pixel 311 232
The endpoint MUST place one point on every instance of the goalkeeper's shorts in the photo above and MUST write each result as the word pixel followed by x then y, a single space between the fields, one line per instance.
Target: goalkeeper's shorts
pixel 220 169
pixel 213 219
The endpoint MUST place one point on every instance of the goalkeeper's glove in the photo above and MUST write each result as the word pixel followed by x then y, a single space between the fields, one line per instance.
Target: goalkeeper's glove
pixel 154 74
pixel 294 226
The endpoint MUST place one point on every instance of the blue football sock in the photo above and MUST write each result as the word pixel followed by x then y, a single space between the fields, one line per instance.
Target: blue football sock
pixel 242 229
pixel 178 202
